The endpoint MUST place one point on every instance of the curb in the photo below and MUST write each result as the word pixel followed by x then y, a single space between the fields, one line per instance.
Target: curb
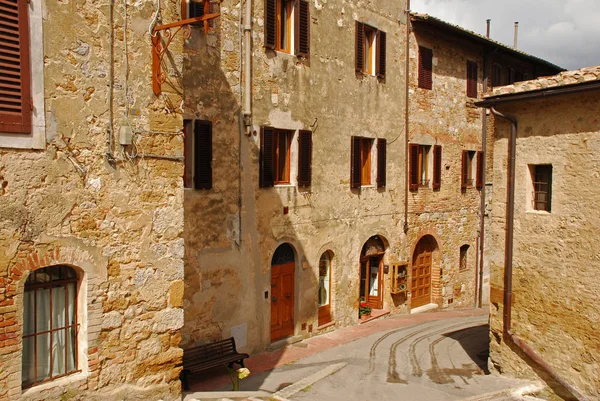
pixel 517 392
pixel 309 380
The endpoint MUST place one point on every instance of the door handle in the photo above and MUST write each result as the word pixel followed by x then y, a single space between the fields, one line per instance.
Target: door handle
pixel 287 295
pixel 273 299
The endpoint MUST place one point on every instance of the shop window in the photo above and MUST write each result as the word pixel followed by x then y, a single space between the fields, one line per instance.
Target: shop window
pixel 325 288
pixel 50 325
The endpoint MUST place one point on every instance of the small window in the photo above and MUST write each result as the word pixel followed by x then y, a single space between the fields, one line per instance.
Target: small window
pixel 287 26
pixel 512 76
pixel 542 186
pixel 419 166
pixel 463 257
pixel 370 50
pixel 471 79
pixel 198 8
pixel 325 288
pixel 360 171
pixel 468 157
pixel 497 75
pixel 49 325
pixel 198 154
pixel 425 68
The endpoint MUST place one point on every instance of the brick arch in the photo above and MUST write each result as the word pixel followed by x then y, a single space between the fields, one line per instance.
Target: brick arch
pixel 91 268
pixel 436 279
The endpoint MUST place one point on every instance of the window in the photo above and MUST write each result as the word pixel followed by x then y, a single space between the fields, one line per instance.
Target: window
pixel 49 325
pixel 287 26
pixel 370 50
pixel 471 79
pixel 511 76
pixel 419 166
pixel 325 288
pixel 541 176
pixel 198 154
pixel 15 101
pixel 360 163
pixel 463 257
pixel 425 68
pixel 276 157
pixel 471 174
pixel 496 75
pixel 198 8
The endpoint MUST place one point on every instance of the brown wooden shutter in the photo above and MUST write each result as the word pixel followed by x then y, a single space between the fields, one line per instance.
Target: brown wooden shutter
pixel 381 162
pixel 360 47
pixel 355 162
pixel 302 27
pixel 381 48
pixel 304 158
pixel 425 68
pixel 471 79
pixel 437 167
pixel 413 166
pixel 203 155
pixel 479 178
pixel 464 173
pixel 15 90
pixel 270 24
pixel 266 157
pixel 196 9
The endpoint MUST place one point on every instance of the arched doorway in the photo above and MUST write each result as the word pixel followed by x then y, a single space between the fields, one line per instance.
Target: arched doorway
pixel 282 292
pixel 422 263
pixel 371 272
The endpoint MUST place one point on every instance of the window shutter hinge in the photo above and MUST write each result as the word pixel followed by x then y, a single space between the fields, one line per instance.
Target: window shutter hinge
pixel 30 99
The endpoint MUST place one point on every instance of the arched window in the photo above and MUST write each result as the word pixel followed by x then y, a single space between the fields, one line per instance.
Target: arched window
pixel 49 325
pixel 325 288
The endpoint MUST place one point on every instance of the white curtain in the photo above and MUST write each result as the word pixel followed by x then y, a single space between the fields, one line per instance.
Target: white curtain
pixel 58 337
pixel 43 340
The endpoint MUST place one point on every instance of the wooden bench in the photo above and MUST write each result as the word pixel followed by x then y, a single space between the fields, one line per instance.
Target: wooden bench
pixel 203 357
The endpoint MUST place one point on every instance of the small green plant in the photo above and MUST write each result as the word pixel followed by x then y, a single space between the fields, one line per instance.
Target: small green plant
pixel 305 389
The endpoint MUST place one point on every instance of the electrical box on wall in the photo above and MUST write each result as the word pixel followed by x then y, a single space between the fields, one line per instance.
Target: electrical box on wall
pixel 125 135
pixel 399 278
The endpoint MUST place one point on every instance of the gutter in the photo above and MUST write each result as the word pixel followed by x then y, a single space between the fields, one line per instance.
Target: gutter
pixel 406 119
pixel 508 262
pixel 248 67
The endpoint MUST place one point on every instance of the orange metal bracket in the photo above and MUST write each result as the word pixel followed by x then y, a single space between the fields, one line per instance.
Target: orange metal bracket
pixel 159 49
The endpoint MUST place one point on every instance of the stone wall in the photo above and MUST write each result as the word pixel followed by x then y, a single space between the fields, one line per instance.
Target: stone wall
pixel 555 265
pixel 118 224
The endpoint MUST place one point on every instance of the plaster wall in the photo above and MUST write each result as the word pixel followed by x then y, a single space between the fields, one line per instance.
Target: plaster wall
pixel 555 263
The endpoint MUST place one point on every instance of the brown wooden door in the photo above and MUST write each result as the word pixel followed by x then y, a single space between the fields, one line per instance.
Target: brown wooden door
pixel 371 283
pixel 282 301
pixel 421 275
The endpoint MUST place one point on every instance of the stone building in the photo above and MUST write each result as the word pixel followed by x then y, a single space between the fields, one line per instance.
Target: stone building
pixel 544 301
pixel 91 247
pixel 312 203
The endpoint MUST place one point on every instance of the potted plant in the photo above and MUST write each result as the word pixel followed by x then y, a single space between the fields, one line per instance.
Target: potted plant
pixel 364 311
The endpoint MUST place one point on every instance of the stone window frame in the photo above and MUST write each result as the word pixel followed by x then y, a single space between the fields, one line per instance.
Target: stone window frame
pixel 37 138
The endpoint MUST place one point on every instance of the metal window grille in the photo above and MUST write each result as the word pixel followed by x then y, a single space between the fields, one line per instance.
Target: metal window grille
pixel 542 187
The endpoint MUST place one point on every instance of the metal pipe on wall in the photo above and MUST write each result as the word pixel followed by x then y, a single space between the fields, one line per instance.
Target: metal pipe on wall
pixel 508 261
pixel 406 119
pixel 248 66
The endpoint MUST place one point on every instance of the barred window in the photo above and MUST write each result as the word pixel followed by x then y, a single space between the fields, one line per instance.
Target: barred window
pixel 49 325
pixel 542 186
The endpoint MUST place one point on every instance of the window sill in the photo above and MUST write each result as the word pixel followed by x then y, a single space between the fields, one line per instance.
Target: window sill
pixel 284 185
pixel 73 380
pixel 539 212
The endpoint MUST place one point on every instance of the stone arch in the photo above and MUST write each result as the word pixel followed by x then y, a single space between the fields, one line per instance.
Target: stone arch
pixel 371 275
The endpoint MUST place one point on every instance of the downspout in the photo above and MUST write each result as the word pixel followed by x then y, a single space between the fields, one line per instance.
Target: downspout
pixel 111 73
pixel 248 67
pixel 406 119
pixel 508 259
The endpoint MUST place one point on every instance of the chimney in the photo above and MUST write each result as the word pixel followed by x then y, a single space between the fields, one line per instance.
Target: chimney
pixel 516 32
pixel 487 31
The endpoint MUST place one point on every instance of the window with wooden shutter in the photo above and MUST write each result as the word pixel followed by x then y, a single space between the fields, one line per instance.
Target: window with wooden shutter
pixel 203 155
pixel 381 50
pixel 381 162
pixel 464 170
pixel 425 68
pixel 413 166
pixel 437 167
pixel 496 75
pixel 302 29
pixel 479 176
pixel 270 24
pixel 15 90
pixel 360 47
pixel 266 161
pixel 304 158
pixel 471 79
pixel 199 8
pixel 355 166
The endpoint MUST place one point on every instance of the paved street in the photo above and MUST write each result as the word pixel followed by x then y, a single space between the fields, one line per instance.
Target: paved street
pixel 438 356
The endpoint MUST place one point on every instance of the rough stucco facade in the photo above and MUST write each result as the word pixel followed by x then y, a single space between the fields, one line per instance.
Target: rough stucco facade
pixel 555 286
pixel 118 225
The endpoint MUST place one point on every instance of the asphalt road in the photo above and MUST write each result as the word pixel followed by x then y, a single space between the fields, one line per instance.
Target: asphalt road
pixel 434 361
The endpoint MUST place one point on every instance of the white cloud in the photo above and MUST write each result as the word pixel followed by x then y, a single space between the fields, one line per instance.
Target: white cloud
pixel 565 32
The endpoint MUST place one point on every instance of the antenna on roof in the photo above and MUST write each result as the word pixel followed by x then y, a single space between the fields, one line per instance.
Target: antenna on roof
pixel 487 31
pixel 516 32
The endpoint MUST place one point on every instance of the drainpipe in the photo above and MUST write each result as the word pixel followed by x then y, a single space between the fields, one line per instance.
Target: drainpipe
pixel 508 259
pixel 248 67
pixel 407 86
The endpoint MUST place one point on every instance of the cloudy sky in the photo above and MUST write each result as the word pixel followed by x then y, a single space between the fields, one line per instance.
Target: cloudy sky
pixel 564 32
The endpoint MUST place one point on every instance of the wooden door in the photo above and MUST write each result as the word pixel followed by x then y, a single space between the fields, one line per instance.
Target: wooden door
pixel 371 283
pixel 282 301
pixel 421 275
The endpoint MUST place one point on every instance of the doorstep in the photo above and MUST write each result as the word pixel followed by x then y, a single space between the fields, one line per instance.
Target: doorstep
pixel 424 308
pixel 375 314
